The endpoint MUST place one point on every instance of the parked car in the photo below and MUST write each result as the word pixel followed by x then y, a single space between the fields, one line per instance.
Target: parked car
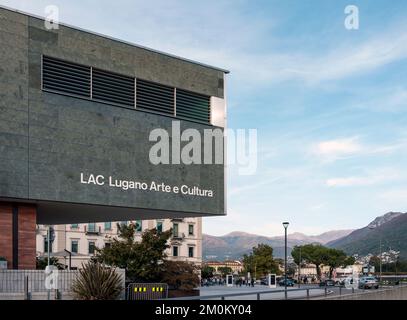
pixel 327 283
pixel 368 283
pixel 282 282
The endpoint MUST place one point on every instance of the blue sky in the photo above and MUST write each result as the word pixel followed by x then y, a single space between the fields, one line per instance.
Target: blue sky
pixel 329 104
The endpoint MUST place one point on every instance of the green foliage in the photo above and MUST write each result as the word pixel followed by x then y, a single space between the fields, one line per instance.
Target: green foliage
pixel 142 260
pixel 225 271
pixel 207 272
pixel 97 282
pixel 180 275
pixel 260 262
pixel 42 263
pixel 320 255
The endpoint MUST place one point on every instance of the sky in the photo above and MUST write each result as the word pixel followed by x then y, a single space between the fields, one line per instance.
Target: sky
pixel 329 104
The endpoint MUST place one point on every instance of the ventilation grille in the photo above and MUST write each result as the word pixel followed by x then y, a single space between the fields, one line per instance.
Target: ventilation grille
pixel 112 87
pixel 104 86
pixel 155 97
pixel 66 77
pixel 193 106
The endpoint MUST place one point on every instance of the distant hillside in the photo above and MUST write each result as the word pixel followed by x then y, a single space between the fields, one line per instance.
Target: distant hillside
pixel 235 244
pixel 391 228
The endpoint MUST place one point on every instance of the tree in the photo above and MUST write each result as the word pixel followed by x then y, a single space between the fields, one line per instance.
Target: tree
pixel 97 282
pixel 180 275
pixel 260 262
pixel 225 271
pixel 207 272
pixel 320 255
pixel 337 258
pixel 42 263
pixel 142 260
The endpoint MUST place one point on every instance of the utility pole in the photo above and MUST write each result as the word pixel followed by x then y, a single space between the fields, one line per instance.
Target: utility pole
pixel 299 270
pixel 285 225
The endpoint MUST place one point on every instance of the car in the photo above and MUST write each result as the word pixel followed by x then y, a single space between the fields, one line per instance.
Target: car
pixel 327 283
pixel 282 282
pixel 368 283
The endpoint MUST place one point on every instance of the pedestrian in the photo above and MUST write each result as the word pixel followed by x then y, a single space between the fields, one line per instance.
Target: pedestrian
pixel 252 281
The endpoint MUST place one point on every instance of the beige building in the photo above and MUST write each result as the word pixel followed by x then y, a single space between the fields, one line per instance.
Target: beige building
pixel 236 266
pixel 77 242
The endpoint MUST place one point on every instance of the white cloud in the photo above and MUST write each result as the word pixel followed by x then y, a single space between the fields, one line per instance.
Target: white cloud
pixel 330 150
pixel 374 177
pixel 228 40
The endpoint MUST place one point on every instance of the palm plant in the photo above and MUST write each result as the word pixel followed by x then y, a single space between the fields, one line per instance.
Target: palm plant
pixel 97 282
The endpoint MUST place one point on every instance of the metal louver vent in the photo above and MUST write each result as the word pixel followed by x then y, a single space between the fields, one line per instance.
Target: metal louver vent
pixel 66 77
pixel 154 97
pixel 193 106
pixel 111 87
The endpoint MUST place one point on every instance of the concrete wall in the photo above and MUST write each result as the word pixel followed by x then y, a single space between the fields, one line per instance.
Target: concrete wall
pixel 47 139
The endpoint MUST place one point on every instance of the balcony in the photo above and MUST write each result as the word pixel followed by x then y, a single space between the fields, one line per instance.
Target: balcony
pixel 93 230
pixel 178 236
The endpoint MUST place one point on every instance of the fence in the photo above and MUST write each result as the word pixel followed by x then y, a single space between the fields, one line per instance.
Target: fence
pixel 147 291
pixel 302 293
pixel 33 281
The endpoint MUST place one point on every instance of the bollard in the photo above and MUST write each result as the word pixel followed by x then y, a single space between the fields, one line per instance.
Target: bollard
pixel 258 296
pixel 307 294
pixel 340 291
pixel 326 291
pixel 222 298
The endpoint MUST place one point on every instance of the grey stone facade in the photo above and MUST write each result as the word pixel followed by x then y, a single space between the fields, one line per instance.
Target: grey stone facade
pixel 48 139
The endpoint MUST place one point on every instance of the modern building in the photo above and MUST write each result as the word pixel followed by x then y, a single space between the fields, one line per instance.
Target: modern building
pixel 75 244
pixel 96 129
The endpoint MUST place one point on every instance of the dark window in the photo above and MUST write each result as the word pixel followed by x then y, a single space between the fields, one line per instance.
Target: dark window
pixel 91 227
pixel 155 97
pixel 159 226
pixel 191 252
pixel 175 251
pixel 91 247
pixel 108 226
pixel 74 246
pixel 111 87
pixel 191 229
pixel 138 226
pixel 65 77
pixel 193 106
pixel 46 245
pixel 175 229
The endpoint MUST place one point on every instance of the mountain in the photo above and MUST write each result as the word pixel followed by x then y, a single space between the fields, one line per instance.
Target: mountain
pixel 391 228
pixel 233 245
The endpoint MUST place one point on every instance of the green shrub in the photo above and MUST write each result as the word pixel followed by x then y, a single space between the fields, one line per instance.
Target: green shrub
pixel 97 282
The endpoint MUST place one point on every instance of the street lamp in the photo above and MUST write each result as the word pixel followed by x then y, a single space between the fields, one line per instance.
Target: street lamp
pixel 285 224
pixel 372 227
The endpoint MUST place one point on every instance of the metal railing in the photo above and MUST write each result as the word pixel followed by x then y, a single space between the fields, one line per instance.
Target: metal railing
pixel 307 294
pixel 18 281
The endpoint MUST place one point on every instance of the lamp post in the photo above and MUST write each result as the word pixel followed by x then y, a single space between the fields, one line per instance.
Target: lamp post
pixel 372 227
pixel 285 224
pixel 299 270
